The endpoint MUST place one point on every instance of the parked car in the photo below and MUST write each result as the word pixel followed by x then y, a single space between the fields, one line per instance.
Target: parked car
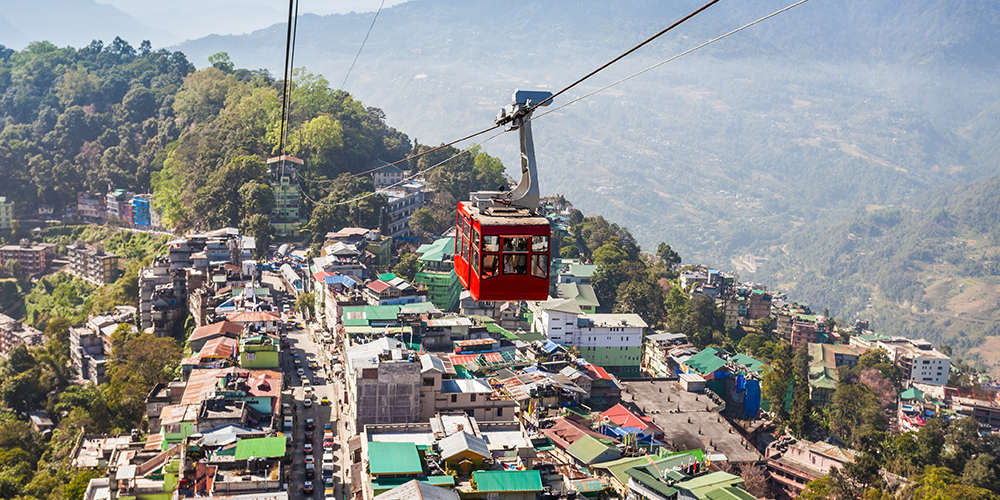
pixel 308 447
pixel 307 487
pixel 310 424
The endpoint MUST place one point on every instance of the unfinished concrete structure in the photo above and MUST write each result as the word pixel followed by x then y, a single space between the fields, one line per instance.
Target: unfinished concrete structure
pixel 383 384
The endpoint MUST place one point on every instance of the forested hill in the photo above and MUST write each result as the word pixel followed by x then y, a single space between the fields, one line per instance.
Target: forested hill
pixel 930 268
pixel 114 116
pixel 800 119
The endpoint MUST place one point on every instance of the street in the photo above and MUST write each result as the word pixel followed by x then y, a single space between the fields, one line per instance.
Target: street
pixel 302 343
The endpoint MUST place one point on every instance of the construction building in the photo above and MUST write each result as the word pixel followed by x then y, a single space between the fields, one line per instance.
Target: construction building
pixel 383 384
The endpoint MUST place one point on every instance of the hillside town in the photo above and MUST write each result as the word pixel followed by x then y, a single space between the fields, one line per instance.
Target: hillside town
pixel 329 374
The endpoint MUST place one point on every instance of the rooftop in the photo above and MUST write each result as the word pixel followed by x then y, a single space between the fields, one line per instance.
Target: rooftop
pixel 695 426
pixel 588 449
pixel 267 447
pixel 418 490
pixel 507 481
pixel 394 458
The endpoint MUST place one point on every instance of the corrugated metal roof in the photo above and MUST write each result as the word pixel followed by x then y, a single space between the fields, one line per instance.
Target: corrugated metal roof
pixel 589 449
pixel 462 441
pixel 466 386
pixel 507 481
pixel 418 490
pixel 393 458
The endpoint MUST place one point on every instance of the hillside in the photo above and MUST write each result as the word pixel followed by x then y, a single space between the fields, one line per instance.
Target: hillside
pixel 930 268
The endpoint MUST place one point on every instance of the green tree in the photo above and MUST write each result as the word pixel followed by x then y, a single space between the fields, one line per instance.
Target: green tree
pixel 854 411
pixel 641 297
pixel 305 303
pixel 668 255
pixel 135 367
pixel 13 266
pixel 221 62
pixel 258 198
pixel 407 266
pixel 777 382
pixel 203 95
pixel 258 226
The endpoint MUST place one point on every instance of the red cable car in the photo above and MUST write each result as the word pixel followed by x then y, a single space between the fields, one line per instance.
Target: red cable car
pixel 501 243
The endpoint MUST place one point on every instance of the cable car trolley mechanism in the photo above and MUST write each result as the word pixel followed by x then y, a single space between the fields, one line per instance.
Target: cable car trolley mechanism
pixel 501 243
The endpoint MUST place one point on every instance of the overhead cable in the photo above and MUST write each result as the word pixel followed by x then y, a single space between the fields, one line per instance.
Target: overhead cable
pixel 362 45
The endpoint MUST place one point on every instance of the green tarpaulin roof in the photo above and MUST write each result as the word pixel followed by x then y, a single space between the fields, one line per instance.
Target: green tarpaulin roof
pixel 270 447
pixel 394 458
pixel 706 361
pixel 912 393
pixel 504 481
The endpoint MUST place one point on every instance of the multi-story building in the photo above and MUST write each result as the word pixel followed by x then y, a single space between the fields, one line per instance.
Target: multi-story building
pixel 759 304
pixel 33 258
pixel 474 397
pixel 90 207
pixel 437 274
pixel 918 359
pixel 403 201
pixel 387 176
pixel 90 344
pixel 393 291
pixel 383 384
pixel 162 297
pixel 92 264
pixel 13 332
pixel 824 361
pixel 611 341
pixel 6 213
pixel 119 203
pixel 286 216
pixel 792 464
pixel 142 211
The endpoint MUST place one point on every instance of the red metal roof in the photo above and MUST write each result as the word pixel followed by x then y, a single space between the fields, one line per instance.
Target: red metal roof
pixel 379 285
pixel 221 347
pixel 462 359
pixel 254 316
pixel 221 327
pixel 595 372
pixel 566 432
pixel 623 417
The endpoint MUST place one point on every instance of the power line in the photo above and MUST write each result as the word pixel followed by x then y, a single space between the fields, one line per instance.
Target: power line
pixel 285 86
pixel 592 73
pixel 672 58
pixel 438 164
pixel 362 45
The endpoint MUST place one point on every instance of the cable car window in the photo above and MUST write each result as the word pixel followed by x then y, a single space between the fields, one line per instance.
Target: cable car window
pixel 515 244
pixel 540 266
pixel 540 244
pixel 491 265
pixel 475 260
pixel 491 243
pixel 475 237
pixel 466 226
pixel 515 264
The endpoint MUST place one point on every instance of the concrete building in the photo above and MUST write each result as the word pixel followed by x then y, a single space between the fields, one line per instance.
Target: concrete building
pixel 162 297
pixel 93 264
pixel 90 343
pixel 383 384
pixel 474 397
pixel 793 463
pixel 437 274
pixel 90 207
pixel 578 273
pixel 34 259
pixel 583 295
pixel 656 353
pixel 142 211
pixel 386 176
pixel 918 359
pixel 286 216
pixel 824 361
pixel 119 206
pixel 611 341
pixel 403 201
pixel 6 213
pixel 13 332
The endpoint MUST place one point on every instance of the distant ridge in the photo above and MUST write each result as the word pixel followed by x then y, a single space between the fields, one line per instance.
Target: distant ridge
pixel 74 23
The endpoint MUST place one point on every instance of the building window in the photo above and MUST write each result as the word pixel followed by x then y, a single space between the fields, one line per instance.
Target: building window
pixel 472 398
pixel 499 412
pixel 454 398
pixel 428 381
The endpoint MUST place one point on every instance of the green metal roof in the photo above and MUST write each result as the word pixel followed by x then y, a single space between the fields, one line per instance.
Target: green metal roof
pixel 706 361
pixel 270 447
pixel 387 276
pixel 394 458
pixel 388 483
pixel 436 251
pixel 729 493
pixel 582 270
pixel 698 454
pixel 912 393
pixel 752 364
pixel 504 481
pixel 584 295
pixel 646 479
pixel 619 467
pixel 588 449
pixel 701 485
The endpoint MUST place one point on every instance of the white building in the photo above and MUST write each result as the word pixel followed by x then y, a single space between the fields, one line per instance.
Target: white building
pixel 611 341
pixel 403 201
pixel 918 359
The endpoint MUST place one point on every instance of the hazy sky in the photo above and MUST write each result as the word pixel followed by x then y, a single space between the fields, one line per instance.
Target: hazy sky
pixel 191 19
